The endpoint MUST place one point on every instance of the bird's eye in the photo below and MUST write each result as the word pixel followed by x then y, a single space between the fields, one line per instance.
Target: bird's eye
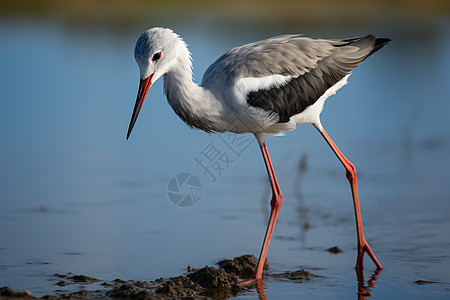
pixel 156 56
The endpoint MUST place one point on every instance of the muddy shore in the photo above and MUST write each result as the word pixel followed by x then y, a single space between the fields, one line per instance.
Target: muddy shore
pixel 204 283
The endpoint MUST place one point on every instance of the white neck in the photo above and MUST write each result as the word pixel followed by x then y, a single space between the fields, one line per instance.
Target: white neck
pixel 195 105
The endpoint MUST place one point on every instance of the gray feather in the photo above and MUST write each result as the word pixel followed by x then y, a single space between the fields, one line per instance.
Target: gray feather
pixel 315 65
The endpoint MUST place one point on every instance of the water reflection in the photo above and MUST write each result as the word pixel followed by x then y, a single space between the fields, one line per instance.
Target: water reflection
pixel 298 192
pixel 260 289
pixel 365 291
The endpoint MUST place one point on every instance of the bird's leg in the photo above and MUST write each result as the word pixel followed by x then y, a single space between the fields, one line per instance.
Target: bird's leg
pixel 363 246
pixel 275 203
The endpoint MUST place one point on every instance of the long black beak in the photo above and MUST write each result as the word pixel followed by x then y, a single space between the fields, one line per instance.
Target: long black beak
pixel 144 85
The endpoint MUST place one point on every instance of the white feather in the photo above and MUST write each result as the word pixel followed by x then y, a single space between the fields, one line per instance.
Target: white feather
pixel 253 84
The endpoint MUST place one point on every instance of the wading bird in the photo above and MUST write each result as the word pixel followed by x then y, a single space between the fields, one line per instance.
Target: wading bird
pixel 265 88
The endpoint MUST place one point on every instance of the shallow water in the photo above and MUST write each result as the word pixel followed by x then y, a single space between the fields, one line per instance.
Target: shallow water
pixel 76 197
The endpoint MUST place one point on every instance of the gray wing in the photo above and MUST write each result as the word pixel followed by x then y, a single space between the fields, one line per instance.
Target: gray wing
pixel 314 65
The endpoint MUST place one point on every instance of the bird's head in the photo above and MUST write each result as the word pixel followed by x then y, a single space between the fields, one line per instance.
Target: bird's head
pixel 156 52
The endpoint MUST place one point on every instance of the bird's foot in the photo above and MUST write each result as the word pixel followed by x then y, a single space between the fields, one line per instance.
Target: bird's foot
pixel 259 285
pixel 247 281
pixel 362 248
pixel 255 278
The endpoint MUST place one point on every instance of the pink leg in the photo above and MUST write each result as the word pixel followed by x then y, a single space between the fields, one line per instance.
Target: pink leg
pixel 363 246
pixel 275 203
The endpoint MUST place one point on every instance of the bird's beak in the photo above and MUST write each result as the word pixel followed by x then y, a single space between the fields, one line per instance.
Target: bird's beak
pixel 144 85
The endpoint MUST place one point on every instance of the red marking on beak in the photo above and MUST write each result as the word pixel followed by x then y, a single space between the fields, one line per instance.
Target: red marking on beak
pixel 144 85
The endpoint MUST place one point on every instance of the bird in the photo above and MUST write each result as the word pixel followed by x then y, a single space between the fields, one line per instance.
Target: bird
pixel 265 88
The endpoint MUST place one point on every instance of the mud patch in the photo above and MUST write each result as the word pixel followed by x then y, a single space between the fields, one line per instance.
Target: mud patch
pixel 7 293
pixel 75 278
pixel 202 283
pixel 297 276
pixel 180 286
pixel 130 291
pixel 422 282
pixel 62 283
pixel 335 250
pixel 216 283
pixel 243 266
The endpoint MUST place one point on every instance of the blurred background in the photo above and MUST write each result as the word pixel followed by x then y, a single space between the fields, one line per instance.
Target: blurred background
pixel 75 196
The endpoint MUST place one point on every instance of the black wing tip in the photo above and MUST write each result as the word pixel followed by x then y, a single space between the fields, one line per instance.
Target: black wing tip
pixel 378 44
pixel 367 40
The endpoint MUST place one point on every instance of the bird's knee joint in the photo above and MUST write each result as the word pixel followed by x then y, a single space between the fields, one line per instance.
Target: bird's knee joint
pixel 351 172
pixel 277 201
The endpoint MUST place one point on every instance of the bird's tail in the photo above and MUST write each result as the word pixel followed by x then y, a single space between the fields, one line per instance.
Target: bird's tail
pixel 379 43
